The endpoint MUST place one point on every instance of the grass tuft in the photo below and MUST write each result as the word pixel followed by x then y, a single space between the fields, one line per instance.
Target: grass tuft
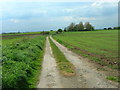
pixel 113 78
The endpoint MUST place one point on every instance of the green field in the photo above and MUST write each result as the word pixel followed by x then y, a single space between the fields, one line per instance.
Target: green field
pixel 20 33
pixel 21 61
pixel 100 46
pixel 12 40
pixel 22 56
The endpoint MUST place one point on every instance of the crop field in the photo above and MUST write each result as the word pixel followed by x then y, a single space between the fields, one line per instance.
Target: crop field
pixel 27 33
pixel 21 61
pixel 18 35
pixel 100 46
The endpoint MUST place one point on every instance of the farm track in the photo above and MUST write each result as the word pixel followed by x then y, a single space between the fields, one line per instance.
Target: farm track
pixel 87 76
pixel 50 76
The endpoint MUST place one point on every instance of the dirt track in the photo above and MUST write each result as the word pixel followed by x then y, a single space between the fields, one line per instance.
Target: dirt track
pixel 50 76
pixel 86 74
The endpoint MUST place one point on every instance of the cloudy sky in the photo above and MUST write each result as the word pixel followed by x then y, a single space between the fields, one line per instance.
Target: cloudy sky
pixel 43 15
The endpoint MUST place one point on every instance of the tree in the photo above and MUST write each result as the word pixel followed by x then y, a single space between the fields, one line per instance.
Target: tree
pixel 71 27
pixel 105 28
pixel 109 28
pixel 88 26
pixel 65 29
pixel 60 30
pixel 116 28
pixel 80 26
pixel 56 32
pixel 76 28
pixel 92 28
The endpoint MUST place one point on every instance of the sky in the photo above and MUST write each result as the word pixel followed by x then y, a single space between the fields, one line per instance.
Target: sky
pixel 32 16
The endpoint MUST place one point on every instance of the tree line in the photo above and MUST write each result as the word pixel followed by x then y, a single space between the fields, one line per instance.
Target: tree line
pixel 78 27
pixel 110 28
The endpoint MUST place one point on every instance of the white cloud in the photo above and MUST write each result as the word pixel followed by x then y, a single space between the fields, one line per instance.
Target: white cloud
pixel 97 4
pixel 15 20
pixel 102 3
pixel 68 10
pixel 56 0
pixel 67 18
pixel 87 19
pixel 39 11
pixel 0 13
pixel 37 14
pixel 72 19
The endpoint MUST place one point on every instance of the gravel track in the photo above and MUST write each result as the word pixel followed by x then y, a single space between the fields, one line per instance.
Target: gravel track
pixel 50 75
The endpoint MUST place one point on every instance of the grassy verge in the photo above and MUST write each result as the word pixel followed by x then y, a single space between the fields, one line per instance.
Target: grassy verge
pixel 21 62
pixel 65 67
pixel 35 79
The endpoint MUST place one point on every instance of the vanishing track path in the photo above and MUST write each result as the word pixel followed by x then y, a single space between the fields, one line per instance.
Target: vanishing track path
pixel 50 75
pixel 86 74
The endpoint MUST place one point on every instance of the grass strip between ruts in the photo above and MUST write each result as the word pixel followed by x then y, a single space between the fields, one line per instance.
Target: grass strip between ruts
pixel 65 67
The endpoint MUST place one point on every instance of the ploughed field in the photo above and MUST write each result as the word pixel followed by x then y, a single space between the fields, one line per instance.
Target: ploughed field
pixel 100 46
pixel 21 61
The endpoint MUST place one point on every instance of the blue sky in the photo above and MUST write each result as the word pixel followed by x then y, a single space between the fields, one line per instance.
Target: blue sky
pixel 39 16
